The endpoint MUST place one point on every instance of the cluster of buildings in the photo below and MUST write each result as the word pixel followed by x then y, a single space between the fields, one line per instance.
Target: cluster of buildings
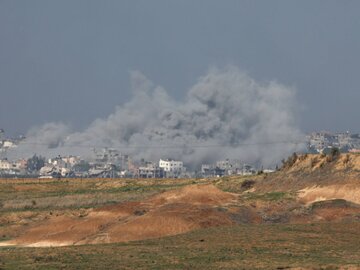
pixel 107 164
pixel 166 168
pixel 110 163
pixel 6 143
pixel 227 167
pixel 18 167
pixel 322 141
pixel 6 166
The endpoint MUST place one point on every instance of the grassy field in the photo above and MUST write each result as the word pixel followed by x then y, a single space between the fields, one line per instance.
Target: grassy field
pixel 35 194
pixel 51 194
pixel 265 246
pixel 315 246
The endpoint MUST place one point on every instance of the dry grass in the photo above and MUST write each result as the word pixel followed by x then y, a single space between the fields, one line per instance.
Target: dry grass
pixel 25 194
pixel 311 246
pixel 24 202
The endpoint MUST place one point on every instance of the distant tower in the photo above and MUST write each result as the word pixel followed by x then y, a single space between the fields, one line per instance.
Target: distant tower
pixel 1 133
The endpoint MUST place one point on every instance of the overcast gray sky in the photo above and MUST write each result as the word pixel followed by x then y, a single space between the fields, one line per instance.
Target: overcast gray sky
pixel 70 60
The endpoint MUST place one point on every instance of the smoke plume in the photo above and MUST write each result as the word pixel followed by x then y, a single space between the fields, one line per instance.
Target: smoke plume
pixel 226 114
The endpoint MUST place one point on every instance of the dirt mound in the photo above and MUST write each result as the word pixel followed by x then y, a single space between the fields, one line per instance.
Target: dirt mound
pixel 197 195
pixel 313 162
pixel 335 210
pixel 305 171
pixel 310 179
pixel 168 213
pixel 347 192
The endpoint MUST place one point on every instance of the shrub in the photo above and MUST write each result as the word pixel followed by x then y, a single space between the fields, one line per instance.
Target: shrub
pixel 313 162
pixel 139 212
pixel 247 184
pixel 290 161
pixel 333 155
pixel 347 159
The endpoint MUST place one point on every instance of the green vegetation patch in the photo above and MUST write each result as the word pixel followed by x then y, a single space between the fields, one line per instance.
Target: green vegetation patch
pixel 269 196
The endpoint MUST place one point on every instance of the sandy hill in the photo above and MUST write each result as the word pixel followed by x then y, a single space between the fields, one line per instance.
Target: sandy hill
pixel 317 177
pixel 167 213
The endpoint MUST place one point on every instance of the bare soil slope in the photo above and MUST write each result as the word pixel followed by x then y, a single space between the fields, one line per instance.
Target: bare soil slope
pixel 168 213
pixel 317 178
pixel 325 187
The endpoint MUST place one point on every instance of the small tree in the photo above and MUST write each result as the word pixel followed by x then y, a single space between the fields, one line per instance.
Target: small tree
pixel 334 154
pixel 35 163
pixel 290 161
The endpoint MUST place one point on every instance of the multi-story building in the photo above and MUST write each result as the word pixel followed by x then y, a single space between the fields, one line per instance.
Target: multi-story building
pixel 345 141
pixel 212 171
pixel 150 170
pixel 226 167
pixel 20 164
pixel 172 168
pixel 230 166
pixel 112 156
pixel 71 160
pixel 5 164
pixel 58 162
pixel 320 140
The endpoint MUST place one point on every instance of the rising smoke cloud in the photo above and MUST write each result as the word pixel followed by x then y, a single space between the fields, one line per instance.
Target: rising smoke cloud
pixel 226 114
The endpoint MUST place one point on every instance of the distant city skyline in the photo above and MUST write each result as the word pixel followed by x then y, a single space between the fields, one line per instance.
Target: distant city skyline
pixel 71 61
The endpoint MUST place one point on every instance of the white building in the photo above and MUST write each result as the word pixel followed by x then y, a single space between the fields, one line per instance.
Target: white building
pixel 71 160
pixel 5 164
pixel 58 162
pixel 172 167
pixel 8 144
pixel 50 170
pixel 47 170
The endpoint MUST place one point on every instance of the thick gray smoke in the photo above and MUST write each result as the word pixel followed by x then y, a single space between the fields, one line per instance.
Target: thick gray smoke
pixel 226 114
